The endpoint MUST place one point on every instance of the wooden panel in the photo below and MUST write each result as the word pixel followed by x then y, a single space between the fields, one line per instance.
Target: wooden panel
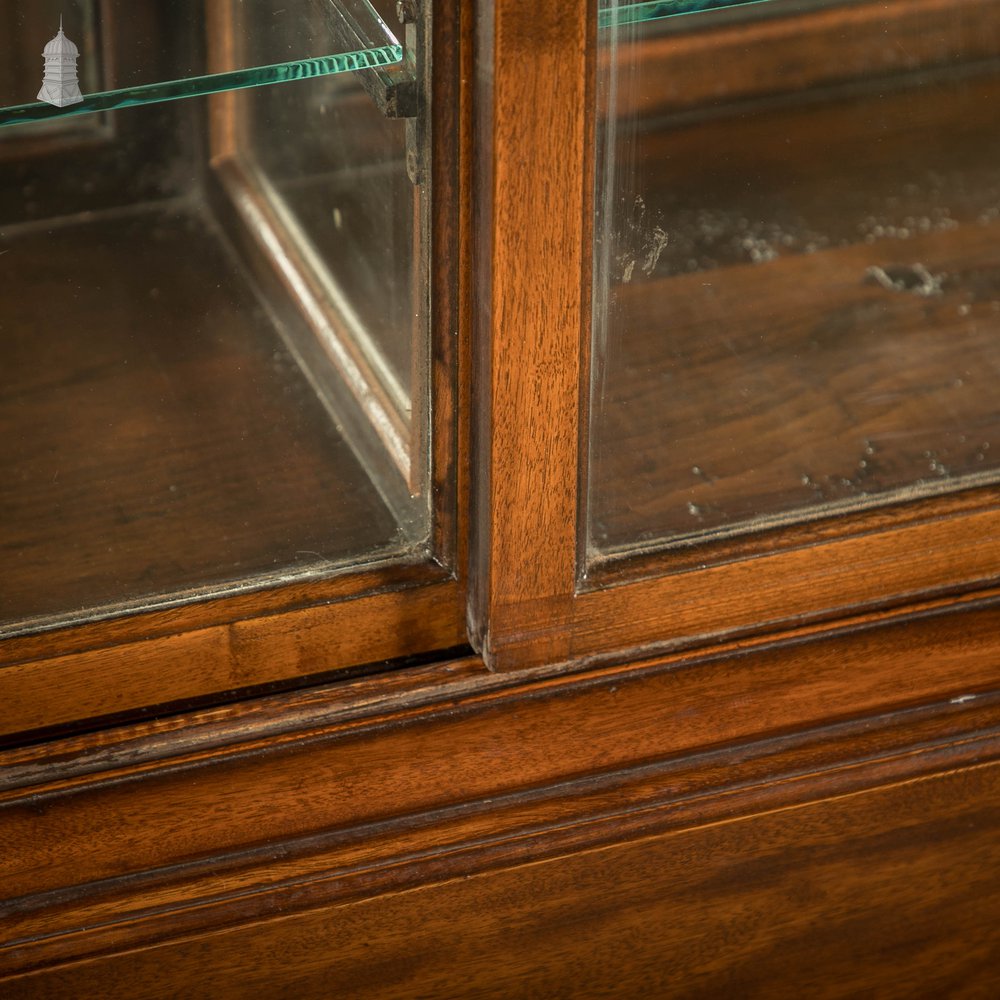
pixel 250 811
pixel 534 103
pixel 889 892
pixel 229 658
pixel 450 290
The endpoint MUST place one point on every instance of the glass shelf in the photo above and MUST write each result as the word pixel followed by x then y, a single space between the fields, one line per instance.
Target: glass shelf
pixel 328 38
pixel 653 10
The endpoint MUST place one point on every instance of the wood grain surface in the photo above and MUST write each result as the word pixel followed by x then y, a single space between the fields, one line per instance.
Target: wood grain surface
pixel 859 763
pixel 169 443
pixel 224 662
pixel 167 801
pixel 891 893
pixel 764 374
pixel 532 310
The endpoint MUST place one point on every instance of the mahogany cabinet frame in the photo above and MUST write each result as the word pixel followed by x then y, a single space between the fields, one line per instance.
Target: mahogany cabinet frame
pixel 393 834
pixel 815 809
pixel 533 601
pixel 91 673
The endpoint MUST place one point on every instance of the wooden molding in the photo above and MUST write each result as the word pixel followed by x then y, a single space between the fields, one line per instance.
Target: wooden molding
pixel 187 666
pixel 887 891
pixel 224 819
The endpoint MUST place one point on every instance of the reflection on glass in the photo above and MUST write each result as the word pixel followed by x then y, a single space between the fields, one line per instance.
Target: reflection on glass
pixel 294 40
pixel 797 293
pixel 349 217
pixel 347 194
pixel 163 432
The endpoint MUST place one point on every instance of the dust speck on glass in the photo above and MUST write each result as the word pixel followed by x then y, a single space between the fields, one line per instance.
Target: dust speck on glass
pixel 796 307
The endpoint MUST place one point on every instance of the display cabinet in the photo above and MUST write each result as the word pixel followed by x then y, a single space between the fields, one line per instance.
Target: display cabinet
pixel 759 402
pixel 230 376
pixel 500 499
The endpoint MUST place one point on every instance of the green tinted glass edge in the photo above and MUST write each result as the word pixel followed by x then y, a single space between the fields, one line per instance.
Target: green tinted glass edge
pixel 347 62
pixel 653 10
pixel 354 28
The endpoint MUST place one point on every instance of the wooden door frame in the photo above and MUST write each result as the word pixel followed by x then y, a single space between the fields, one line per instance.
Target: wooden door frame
pixel 273 634
pixel 532 602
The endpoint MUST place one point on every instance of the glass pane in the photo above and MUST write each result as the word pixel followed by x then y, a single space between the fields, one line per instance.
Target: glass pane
pixel 610 13
pixel 271 41
pixel 335 194
pixel 796 298
pixel 167 276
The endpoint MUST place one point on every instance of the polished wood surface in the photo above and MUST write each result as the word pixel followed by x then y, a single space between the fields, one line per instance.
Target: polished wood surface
pixel 859 763
pixel 577 605
pixel 839 897
pixel 532 226
pixel 228 661
pixel 416 743
pixel 158 437
pixel 805 807
pixel 188 617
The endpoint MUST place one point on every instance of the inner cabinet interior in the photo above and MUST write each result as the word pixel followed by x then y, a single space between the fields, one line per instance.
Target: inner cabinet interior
pixel 213 313
pixel 796 296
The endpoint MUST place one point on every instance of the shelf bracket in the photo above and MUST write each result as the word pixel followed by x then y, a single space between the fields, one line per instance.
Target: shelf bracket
pixel 399 91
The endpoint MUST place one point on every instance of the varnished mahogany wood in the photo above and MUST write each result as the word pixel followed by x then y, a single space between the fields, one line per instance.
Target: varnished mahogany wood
pixel 808 814
pixel 840 897
pixel 535 465
pixel 233 657
pixel 836 898
pixel 532 225
pixel 675 706
pixel 171 620
pixel 244 823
